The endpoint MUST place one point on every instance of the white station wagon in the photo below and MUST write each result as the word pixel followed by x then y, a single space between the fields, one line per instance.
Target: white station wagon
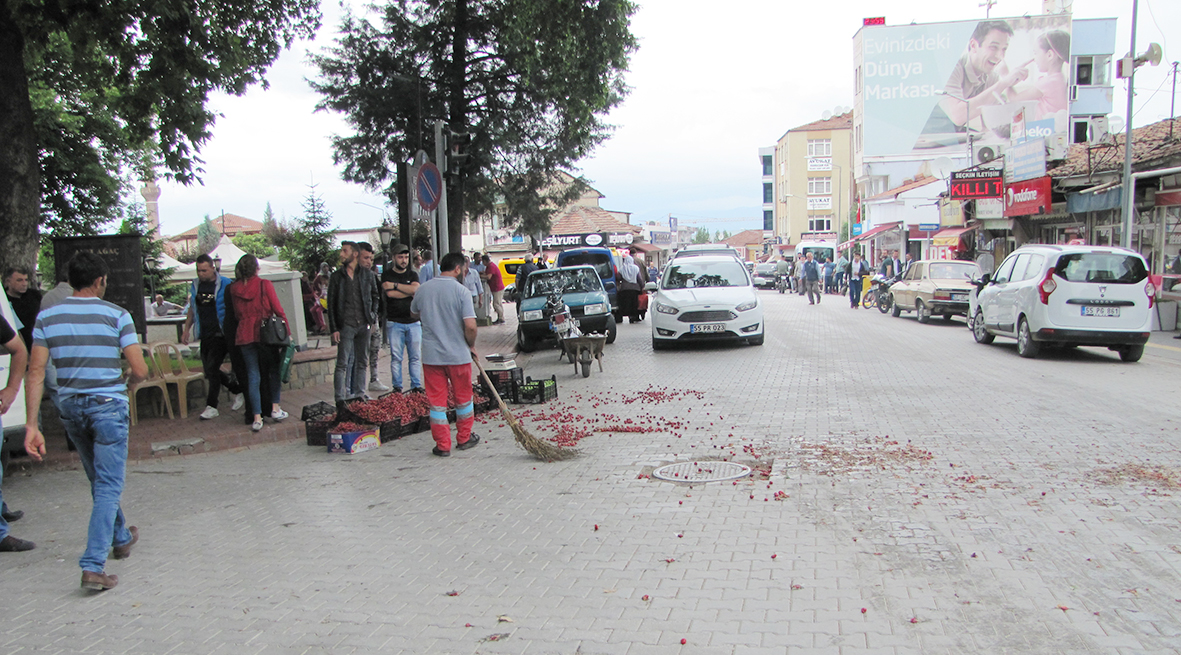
pixel 1069 296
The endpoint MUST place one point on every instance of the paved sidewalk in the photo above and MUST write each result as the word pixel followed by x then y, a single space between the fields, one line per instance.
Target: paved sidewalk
pixel 938 496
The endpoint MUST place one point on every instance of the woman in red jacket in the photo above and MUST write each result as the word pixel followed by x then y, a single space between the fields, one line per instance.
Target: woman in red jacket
pixel 254 301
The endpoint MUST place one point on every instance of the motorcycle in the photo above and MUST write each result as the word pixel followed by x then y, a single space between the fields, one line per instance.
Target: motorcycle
pixel 781 283
pixel 879 293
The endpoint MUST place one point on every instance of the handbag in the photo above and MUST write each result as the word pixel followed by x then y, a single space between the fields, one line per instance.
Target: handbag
pixel 273 331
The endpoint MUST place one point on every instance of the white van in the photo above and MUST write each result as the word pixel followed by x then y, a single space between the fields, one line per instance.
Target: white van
pixel 821 250
pixel 14 418
pixel 1069 296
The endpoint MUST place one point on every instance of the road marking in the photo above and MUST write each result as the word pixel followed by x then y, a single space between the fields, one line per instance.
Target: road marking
pixel 1157 345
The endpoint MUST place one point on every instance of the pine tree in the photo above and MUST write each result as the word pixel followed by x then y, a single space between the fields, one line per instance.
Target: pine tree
pixel 207 236
pixel 310 240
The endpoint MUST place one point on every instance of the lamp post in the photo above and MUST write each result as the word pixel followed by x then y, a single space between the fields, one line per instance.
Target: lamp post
pixel 150 267
pixel 217 263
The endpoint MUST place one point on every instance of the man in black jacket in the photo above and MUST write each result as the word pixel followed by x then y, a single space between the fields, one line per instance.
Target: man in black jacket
pixel 353 303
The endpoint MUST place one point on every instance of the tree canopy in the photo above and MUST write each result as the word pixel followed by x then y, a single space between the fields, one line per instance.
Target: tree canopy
pixel 530 80
pixel 94 93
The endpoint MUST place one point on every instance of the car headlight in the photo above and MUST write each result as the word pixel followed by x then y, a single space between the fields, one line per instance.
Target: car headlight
pixel 747 306
pixel 532 315
pixel 666 309
pixel 597 308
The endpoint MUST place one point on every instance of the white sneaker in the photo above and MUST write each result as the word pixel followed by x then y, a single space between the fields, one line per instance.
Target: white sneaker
pixel 210 412
pixel 239 401
pixel 377 386
pixel 256 426
pixel 279 414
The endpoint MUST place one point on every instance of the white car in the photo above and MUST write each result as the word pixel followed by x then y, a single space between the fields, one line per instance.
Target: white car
pixel 705 298
pixel 13 440
pixel 1069 296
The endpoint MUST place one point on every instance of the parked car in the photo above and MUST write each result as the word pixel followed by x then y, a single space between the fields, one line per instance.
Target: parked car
pixel 707 249
pixel 1069 296
pixel 14 418
pixel 604 263
pixel 508 275
pixel 764 275
pixel 582 290
pixel 935 287
pixel 705 298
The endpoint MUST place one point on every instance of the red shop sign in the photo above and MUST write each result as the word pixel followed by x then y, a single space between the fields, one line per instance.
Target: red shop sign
pixel 1027 197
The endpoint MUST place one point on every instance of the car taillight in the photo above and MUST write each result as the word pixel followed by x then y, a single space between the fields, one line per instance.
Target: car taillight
pixel 942 294
pixel 1150 291
pixel 1047 287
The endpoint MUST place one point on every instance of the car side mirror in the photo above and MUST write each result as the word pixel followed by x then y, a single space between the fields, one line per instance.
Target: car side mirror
pixel 986 278
pixel 651 286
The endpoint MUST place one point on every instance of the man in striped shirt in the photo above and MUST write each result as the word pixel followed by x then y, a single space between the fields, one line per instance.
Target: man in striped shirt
pixel 83 338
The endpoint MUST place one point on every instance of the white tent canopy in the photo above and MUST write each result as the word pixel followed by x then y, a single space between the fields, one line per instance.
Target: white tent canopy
pixel 229 255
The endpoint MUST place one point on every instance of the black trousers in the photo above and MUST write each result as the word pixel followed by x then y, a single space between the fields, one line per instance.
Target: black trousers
pixel 629 304
pixel 213 354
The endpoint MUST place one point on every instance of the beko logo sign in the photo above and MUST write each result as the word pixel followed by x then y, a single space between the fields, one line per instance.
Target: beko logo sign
pixel 1028 195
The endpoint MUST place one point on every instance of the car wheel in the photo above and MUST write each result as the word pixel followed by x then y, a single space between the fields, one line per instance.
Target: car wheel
pixel 1026 346
pixel 524 344
pixel 612 329
pixel 979 332
pixel 897 311
pixel 921 309
pixel 757 341
pixel 1131 353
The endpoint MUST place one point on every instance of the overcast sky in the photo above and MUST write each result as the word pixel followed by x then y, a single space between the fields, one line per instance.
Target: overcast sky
pixel 711 84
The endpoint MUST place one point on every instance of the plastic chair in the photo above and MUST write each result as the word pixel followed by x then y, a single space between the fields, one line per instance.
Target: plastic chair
pixel 175 371
pixel 155 380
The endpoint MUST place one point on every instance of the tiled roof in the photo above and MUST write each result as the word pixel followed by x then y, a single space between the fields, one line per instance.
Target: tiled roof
pixel 839 122
pixel 907 185
pixel 744 238
pixel 234 225
pixel 580 219
pixel 1151 146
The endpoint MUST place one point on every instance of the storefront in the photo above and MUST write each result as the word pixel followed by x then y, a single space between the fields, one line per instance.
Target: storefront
pixel 953 243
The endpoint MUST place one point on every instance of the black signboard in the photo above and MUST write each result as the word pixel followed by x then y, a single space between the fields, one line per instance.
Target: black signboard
pixel 977 183
pixel 125 274
pixel 601 239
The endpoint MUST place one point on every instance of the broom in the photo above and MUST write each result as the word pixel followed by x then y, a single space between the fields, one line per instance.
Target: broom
pixel 539 448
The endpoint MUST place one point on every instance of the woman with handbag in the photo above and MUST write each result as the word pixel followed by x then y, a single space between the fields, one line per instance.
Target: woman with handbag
pixel 261 323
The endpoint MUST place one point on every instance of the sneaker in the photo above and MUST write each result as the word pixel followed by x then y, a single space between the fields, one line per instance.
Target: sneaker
pixel 377 386
pixel 210 412
pixel 256 426
pixel 11 544
pixel 470 443
pixel 239 401
pixel 278 414
pixel 98 581
pixel 440 453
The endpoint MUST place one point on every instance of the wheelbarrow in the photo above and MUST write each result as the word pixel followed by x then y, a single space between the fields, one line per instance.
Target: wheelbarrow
pixel 582 349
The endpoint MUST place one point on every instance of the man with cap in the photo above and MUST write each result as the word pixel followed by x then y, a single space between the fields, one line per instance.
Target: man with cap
pixel 403 331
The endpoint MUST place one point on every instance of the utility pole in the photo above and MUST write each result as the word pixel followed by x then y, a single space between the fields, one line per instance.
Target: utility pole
pixel 1129 191
pixel 1173 102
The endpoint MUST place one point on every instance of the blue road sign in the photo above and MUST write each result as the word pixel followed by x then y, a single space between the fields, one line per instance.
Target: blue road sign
pixel 430 186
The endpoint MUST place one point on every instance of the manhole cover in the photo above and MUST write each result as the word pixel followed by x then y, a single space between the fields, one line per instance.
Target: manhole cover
pixel 701 471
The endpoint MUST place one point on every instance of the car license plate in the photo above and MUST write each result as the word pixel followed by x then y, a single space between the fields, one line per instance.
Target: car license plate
pixel 1100 311
pixel 959 297
pixel 707 327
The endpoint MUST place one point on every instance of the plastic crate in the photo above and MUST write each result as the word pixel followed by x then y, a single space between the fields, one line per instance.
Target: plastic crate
pixel 535 391
pixel 503 381
pixel 317 431
pixel 391 430
pixel 317 411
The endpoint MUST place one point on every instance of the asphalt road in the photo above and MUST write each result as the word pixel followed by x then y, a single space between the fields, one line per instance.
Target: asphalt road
pixel 915 492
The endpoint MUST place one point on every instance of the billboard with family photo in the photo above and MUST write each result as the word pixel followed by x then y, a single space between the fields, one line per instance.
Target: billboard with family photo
pixel 924 88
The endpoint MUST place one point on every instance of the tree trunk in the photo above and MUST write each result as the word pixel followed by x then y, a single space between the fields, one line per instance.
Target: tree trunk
pixel 457 113
pixel 20 187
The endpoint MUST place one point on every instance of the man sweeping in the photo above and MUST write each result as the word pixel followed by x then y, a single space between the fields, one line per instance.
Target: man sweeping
pixel 444 306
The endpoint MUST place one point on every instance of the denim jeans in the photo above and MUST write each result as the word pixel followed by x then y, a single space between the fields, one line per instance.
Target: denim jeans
pixel 408 337
pixel 854 290
pixel 97 426
pixel 351 353
pixel 251 354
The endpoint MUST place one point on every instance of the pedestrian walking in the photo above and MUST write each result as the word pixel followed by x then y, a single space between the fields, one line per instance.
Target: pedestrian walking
pixel 254 301
pixel 207 313
pixel 492 277
pixel 630 285
pixel 84 337
pixel 801 287
pixel 399 283
pixel 25 299
pixel 377 333
pixel 444 306
pixel 352 310
pixel 842 264
pixel 811 276
pixel 856 269
pixel 471 280
pixel 426 268
pixel 524 271
pixel 830 270
pixel 11 342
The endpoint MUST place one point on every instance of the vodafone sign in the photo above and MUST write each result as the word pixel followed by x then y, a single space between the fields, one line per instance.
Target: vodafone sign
pixel 1027 197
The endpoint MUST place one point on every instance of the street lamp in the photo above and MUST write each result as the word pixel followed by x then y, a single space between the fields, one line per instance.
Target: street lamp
pixel 217 263
pixel 150 266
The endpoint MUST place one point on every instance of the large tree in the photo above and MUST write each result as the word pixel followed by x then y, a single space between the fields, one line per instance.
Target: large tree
pixel 94 93
pixel 530 80
pixel 310 240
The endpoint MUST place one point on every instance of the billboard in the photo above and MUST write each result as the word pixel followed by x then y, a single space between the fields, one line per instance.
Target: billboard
pixel 925 87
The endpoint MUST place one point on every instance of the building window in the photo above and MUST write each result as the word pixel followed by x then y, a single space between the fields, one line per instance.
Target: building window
pixel 768 220
pixel 857 138
pixel 820 223
pixel 768 192
pixel 819 147
pixel 768 165
pixel 819 186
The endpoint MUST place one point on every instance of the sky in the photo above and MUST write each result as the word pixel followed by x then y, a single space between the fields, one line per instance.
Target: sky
pixel 711 83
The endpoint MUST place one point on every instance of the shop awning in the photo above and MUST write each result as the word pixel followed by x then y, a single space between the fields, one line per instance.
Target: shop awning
pixel 876 231
pixel 645 247
pixel 951 236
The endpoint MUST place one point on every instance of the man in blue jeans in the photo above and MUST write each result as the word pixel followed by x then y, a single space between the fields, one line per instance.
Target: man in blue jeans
pixel 84 337
pixel 11 342
pixel 399 283
pixel 353 302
